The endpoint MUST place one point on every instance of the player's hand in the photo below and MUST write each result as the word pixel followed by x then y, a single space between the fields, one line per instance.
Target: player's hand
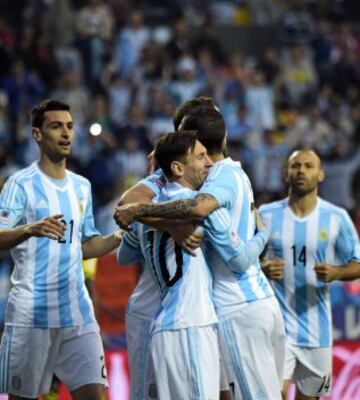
pixel 125 215
pixel 119 235
pixel 51 227
pixel 187 237
pixel 326 272
pixel 273 269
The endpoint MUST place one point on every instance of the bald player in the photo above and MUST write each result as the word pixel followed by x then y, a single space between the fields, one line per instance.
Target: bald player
pixel 312 243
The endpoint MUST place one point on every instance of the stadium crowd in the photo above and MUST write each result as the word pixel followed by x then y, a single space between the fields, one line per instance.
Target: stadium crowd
pixel 127 65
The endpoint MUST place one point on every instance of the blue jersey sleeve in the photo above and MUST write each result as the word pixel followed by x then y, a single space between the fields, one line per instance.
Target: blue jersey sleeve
pixel 155 182
pixel 129 251
pixel 220 184
pixel 347 246
pixel 89 229
pixel 237 254
pixel 12 204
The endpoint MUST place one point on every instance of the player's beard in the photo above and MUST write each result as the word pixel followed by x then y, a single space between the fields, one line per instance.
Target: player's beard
pixel 310 187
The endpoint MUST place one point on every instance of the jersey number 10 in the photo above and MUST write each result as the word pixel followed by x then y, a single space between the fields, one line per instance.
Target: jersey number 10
pixel 161 266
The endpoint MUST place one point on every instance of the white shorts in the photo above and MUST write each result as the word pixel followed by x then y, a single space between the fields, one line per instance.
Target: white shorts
pixel 186 363
pixel 310 369
pixel 30 356
pixel 142 378
pixel 252 341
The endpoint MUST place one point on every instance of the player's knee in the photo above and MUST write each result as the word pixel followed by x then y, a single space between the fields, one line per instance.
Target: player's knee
pixel 88 392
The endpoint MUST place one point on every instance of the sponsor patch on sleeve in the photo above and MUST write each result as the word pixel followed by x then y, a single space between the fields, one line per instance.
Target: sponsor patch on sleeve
pixel 4 217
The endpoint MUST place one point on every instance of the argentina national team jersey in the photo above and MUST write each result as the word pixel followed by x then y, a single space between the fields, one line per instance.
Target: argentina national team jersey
pixel 48 289
pixel 326 235
pixel 228 183
pixel 145 298
pixel 184 282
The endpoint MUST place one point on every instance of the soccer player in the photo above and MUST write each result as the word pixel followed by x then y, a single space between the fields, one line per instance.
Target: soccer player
pixel 312 243
pixel 47 223
pixel 250 327
pixel 144 300
pixel 184 343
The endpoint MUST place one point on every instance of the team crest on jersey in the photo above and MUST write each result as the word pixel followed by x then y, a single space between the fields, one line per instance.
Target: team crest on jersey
pixel 323 235
pixel 4 217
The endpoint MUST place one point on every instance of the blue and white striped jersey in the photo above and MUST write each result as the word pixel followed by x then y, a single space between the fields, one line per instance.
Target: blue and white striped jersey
pixel 48 289
pixel 145 298
pixel 155 182
pixel 185 282
pixel 228 183
pixel 326 235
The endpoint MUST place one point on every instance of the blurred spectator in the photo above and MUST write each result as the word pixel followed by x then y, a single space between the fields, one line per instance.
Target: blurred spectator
pixel 323 47
pixel 4 119
pixel 162 122
pixel 130 43
pixel 60 24
pixel 311 131
pixel 7 43
pixel 296 25
pixel 299 74
pixel 267 163
pixel 264 12
pixel 182 41
pixel 131 159
pixel 74 93
pixel 337 187
pixel 120 93
pixel 269 64
pixel 24 89
pixel 187 85
pixel 136 124
pixel 95 25
pixel 60 29
pixel 259 99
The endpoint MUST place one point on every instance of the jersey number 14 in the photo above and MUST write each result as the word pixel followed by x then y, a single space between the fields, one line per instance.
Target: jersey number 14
pixel 299 255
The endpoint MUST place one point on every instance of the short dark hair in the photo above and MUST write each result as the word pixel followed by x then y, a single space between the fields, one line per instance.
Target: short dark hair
pixel 46 105
pixel 188 105
pixel 173 146
pixel 210 128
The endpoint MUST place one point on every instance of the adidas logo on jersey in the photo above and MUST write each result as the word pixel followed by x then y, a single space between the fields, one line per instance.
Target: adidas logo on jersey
pixel 41 204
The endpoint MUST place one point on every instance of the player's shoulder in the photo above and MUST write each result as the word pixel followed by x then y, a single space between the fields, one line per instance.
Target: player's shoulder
pixel 326 206
pixel 23 175
pixel 78 179
pixel 273 206
pixel 224 170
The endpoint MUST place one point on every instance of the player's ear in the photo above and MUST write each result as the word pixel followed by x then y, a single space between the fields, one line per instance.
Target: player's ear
pixel 285 174
pixel 177 168
pixel 321 175
pixel 36 134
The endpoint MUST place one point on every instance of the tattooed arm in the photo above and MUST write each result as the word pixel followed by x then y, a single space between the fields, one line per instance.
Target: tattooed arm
pixel 198 207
